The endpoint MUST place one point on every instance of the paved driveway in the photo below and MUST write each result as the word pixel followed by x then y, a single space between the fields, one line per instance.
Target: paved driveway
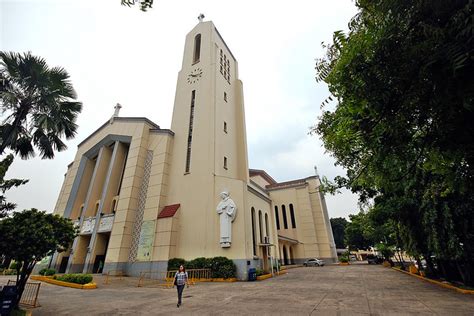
pixel 330 290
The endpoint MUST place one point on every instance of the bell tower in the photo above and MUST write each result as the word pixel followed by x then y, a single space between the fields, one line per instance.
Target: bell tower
pixel 209 152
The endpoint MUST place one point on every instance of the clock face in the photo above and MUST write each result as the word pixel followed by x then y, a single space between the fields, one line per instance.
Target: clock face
pixel 195 75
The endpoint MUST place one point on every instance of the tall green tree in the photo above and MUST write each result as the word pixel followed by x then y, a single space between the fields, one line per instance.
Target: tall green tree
pixel 38 106
pixel 338 225
pixel 29 236
pixel 355 232
pixel 6 185
pixel 402 126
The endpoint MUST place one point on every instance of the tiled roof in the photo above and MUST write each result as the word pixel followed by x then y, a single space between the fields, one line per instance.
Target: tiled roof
pixel 169 211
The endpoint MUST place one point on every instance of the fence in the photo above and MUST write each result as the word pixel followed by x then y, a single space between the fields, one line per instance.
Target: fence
pixel 30 294
pixel 113 275
pixel 194 275
pixel 148 278
pixel 166 279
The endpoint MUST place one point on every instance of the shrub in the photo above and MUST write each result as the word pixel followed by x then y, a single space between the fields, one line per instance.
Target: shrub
pixel 344 259
pixel 222 267
pixel 259 272
pixel 14 265
pixel 198 263
pixel 276 266
pixel 174 263
pixel 75 278
pixel 47 272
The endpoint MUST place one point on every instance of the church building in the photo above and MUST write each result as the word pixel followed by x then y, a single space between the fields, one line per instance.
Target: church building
pixel 141 194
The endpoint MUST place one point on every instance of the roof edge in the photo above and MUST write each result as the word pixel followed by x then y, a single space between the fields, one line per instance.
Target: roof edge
pixel 133 119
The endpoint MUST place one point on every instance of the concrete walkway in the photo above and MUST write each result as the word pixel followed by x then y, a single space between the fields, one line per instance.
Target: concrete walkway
pixel 329 290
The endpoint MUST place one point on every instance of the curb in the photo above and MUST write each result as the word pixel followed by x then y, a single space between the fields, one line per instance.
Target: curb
pixel 264 277
pixel 447 286
pixel 88 286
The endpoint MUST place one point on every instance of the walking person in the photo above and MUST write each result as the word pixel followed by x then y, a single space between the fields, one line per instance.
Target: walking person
pixel 180 280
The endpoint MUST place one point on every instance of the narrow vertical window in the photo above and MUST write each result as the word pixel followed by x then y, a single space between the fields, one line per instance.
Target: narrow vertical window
pixel 225 127
pixel 197 48
pixel 285 221
pixel 292 216
pixel 277 217
pixel 260 223
pixel 190 132
pixel 225 97
pixel 253 233
pixel 267 231
pixel 225 163
pixel 96 209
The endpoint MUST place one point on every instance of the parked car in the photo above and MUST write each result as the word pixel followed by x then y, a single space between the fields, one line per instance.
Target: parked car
pixel 313 262
pixel 373 259
pixel 353 257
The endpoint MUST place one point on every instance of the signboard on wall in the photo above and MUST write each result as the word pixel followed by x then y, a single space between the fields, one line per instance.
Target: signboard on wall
pixel 145 243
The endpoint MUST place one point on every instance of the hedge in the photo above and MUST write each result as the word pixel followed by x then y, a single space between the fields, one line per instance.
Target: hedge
pixel 75 278
pixel 47 272
pixel 221 267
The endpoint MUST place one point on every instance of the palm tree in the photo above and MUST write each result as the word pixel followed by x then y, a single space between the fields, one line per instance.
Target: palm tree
pixel 37 105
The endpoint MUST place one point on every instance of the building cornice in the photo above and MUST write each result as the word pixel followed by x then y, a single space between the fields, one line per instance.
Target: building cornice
pixel 123 119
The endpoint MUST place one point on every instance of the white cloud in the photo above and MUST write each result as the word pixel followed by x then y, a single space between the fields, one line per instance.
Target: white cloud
pixel 118 54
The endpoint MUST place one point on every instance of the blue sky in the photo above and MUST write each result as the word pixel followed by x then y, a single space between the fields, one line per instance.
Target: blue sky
pixel 119 54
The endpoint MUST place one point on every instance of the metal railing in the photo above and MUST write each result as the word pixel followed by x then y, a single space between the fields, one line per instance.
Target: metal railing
pixel 30 293
pixel 194 275
pixel 113 275
pixel 148 278
pixel 166 279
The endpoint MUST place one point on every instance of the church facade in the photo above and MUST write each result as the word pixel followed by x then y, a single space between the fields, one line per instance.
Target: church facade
pixel 141 194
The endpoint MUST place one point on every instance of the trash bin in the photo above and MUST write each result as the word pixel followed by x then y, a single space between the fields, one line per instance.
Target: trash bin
pixel 7 298
pixel 252 274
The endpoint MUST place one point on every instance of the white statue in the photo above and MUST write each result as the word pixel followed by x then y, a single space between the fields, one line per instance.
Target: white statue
pixel 227 211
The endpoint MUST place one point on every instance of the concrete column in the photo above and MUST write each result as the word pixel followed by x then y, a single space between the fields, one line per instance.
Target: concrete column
pixel 88 263
pixel 89 191
pixel 75 187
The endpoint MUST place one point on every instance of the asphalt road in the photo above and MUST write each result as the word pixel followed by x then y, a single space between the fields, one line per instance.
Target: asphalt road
pixel 330 290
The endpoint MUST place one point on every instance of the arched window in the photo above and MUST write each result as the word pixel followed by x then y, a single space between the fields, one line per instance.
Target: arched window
pixel 277 217
pixel 96 208
pixel 292 216
pixel 260 225
pixel 285 221
pixel 197 48
pixel 253 232
pixel 267 231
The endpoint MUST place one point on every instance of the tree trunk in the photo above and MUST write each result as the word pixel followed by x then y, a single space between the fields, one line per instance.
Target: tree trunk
pixel 401 260
pixel 418 261
pixel 26 269
pixel 465 272
pixel 430 267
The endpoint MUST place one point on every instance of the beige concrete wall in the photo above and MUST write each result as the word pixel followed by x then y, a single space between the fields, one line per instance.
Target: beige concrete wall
pixel 80 251
pixel 261 205
pixel 259 180
pixel 97 185
pixel 312 222
pixel 121 235
pixel 117 169
pixel 322 226
pixel 198 191
pixel 166 238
